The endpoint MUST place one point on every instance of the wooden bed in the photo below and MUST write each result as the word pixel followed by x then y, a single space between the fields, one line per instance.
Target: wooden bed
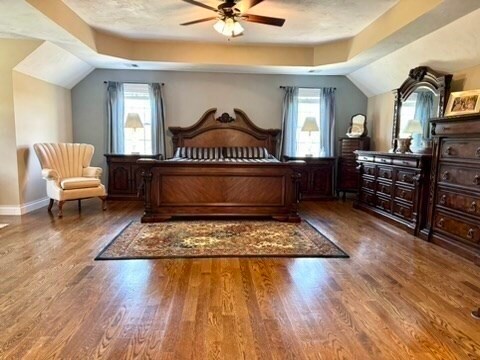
pixel 221 189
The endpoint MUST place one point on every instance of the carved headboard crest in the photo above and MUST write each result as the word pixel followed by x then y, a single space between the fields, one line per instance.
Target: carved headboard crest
pixel 223 131
pixel 225 118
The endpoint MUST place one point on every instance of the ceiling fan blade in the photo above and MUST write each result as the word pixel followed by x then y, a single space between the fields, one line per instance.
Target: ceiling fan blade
pixel 200 20
pixel 266 20
pixel 244 5
pixel 198 3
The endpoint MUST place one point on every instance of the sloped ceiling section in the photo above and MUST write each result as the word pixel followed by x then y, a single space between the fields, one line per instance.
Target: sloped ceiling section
pixel 450 49
pixel 55 65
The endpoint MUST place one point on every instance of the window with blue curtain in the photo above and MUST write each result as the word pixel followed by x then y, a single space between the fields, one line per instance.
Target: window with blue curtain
pixel 136 118
pixel 308 124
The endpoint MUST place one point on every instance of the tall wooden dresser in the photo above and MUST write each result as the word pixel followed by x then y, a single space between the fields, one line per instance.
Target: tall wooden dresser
pixel 454 209
pixel 347 176
pixel 394 187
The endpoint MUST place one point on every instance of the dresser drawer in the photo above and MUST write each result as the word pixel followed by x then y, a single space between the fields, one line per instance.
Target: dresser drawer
pixel 455 128
pixel 369 170
pixel 368 183
pixel 406 162
pixel 383 160
pixel 367 198
pixel 365 158
pixel 383 203
pixel 464 203
pixel 460 149
pixel 403 211
pixel 384 188
pixel 406 176
pixel 468 232
pixel 385 173
pixel 405 194
pixel 456 175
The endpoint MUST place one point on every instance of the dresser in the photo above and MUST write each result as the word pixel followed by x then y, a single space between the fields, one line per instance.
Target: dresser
pixel 317 177
pixel 347 175
pixel 454 211
pixel 125 176
pixel 394 187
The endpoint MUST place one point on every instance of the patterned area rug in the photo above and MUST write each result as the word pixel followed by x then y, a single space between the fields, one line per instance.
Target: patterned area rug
pixel 190 239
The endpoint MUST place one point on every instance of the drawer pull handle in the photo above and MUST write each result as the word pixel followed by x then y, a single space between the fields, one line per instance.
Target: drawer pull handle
pixel 445 175
pixel 401 211
pixel 473 206
pixel 443 199
pixel 448 150
pixel 385 175
pixel 403 193
pixel 470 233
pixel 441 222
pixel 404 177
pixel 476 180
pixel 477 152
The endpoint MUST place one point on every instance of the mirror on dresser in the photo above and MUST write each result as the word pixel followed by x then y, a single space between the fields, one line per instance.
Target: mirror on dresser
pixel 422 96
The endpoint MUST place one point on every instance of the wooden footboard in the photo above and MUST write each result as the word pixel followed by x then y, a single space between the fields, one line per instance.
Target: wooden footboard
pixel 175 189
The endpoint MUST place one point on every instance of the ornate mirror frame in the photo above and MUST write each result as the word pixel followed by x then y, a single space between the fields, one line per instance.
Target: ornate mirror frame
pixel 421 76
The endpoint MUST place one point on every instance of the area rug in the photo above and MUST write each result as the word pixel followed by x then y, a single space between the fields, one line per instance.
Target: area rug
pixel 192 239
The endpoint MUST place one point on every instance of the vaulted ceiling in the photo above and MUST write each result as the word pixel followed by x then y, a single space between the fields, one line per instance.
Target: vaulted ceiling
pixel 347 37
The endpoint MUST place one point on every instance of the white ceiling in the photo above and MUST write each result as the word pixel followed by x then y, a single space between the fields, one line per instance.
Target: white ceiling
pixel 307 21
pixel 450 49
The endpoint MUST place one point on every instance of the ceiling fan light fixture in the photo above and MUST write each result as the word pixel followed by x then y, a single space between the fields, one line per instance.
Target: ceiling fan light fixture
pixel 228 27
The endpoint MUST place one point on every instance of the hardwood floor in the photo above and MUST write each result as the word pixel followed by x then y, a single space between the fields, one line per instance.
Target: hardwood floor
pixel 397 297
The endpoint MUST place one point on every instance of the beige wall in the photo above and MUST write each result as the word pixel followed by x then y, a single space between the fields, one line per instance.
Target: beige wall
pixel 380 114
pixel 380 107
pixel 43 113
pixel 11 53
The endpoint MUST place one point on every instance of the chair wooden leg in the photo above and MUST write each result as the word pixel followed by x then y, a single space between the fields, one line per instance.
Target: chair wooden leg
pixel 50 204
pixel 60 208
pixel 79 205
pixel 104 202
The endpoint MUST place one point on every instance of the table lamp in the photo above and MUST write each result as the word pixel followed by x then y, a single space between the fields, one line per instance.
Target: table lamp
pixel 310 125
pixel 133 122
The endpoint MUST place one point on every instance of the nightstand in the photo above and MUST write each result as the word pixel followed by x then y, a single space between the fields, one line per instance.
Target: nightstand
pixel 125 175
pixel 317 177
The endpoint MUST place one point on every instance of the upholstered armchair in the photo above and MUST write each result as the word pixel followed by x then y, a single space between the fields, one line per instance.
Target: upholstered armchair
pixel 66 168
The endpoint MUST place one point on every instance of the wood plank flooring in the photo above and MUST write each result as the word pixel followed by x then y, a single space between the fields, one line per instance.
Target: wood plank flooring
pixel 397 297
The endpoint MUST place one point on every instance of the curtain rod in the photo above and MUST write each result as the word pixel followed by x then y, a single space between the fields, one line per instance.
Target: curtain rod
pixel 307 87
pixel 135 82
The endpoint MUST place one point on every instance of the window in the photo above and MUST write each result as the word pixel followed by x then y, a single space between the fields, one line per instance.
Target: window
pixel 308 135
pixel 137 101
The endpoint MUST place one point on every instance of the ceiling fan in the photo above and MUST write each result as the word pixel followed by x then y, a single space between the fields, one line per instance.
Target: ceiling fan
pixel 228 14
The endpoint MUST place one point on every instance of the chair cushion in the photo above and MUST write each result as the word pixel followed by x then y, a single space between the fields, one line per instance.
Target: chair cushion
pixel 79 183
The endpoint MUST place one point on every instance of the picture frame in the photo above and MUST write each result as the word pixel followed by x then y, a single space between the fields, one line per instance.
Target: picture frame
pixel 463 102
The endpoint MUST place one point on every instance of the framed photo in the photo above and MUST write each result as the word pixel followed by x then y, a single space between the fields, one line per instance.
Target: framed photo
pixel 463 102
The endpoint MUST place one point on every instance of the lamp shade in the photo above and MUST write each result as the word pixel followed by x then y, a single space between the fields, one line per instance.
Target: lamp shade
pixel 310 124
pixel 413 127
pixel 133 121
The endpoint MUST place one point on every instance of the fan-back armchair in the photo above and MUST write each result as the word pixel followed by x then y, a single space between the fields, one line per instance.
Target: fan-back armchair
pixel 66 168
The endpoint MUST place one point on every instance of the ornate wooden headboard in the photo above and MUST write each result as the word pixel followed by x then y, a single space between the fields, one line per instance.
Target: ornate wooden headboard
pixel 225 131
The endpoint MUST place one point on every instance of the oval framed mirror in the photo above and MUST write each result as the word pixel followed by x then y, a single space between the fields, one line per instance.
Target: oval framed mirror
pixel 422 96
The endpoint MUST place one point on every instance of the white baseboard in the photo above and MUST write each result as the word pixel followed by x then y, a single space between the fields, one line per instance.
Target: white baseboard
pixel 23 208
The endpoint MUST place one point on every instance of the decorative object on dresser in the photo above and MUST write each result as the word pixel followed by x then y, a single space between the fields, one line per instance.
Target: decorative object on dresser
pixel 358 126
pixel 125 176
pixel 463 102
pixel 317 176
pixel 394 187
pixel 423 95
pixel 454 207
pixel 347 176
